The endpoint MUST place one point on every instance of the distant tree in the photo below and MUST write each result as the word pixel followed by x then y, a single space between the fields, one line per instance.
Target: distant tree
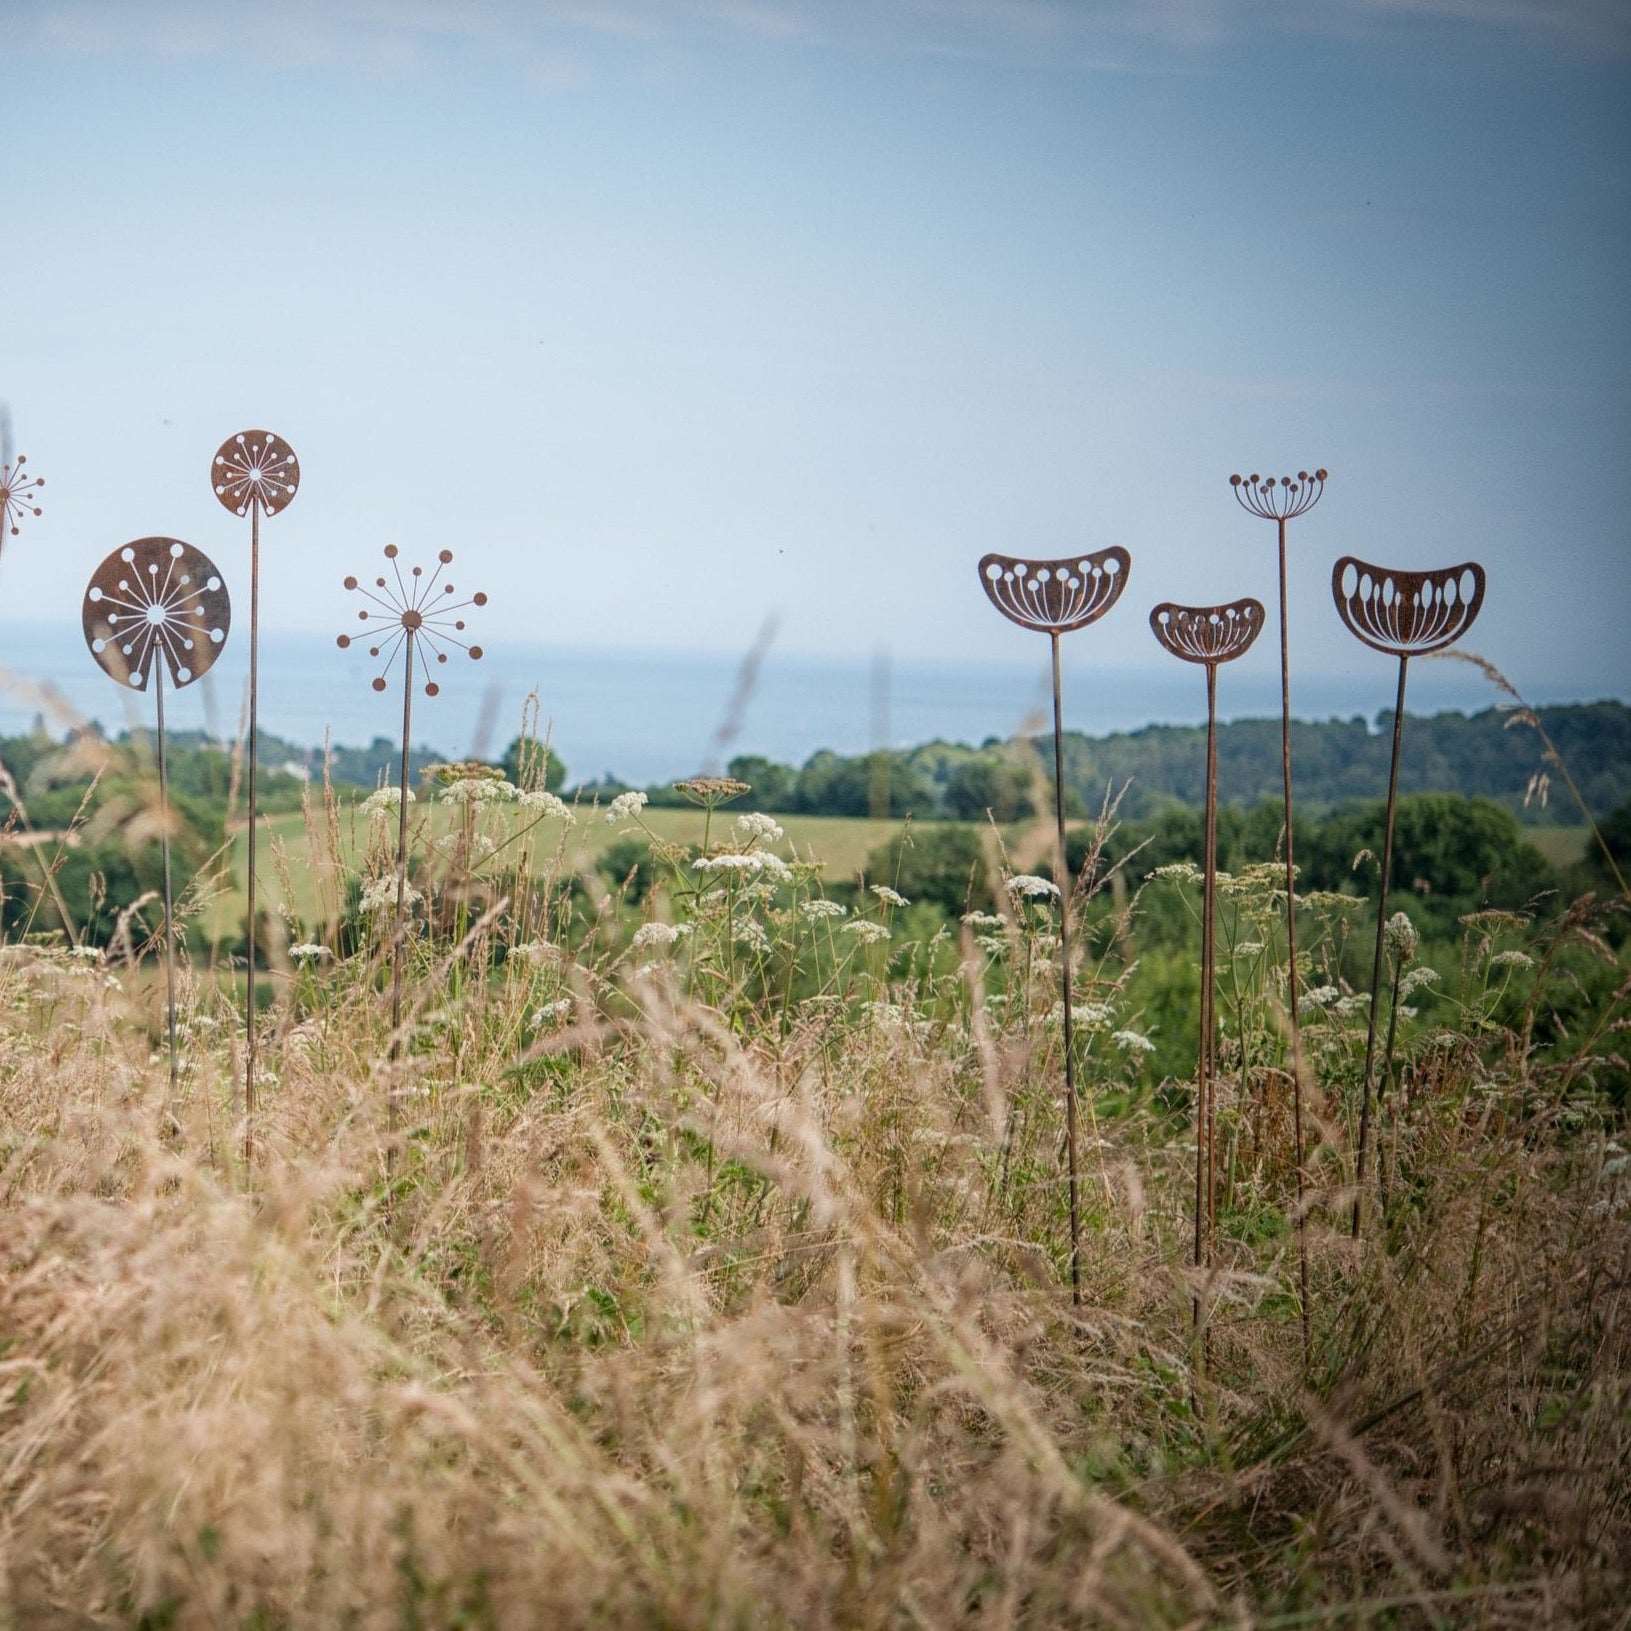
pixel 940 864
pixel 992 783
pixel 773 784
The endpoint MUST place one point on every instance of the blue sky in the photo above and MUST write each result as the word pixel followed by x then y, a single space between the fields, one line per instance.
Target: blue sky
pixel 666 317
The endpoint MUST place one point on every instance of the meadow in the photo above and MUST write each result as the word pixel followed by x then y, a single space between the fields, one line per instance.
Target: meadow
pixel 696 1255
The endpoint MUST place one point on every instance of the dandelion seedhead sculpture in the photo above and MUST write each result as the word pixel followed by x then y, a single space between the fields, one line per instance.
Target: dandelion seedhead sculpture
pixel 409 614
pixel 1405 615
pixel 18 492
pixel 254 473
pixel 154 608
pixel 1055 597
pixel 1282 499
pixel 1208 635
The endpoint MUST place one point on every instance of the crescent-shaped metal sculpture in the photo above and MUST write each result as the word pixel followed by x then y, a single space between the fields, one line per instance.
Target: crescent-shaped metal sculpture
pixel 411 614
pixel 254 473
pixel 158 607
pixel 1405 615
pixel 1280 500
pixel 1209 635
pixel 1053 598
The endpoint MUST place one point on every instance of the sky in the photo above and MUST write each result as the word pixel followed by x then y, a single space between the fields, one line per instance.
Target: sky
pixel 671 316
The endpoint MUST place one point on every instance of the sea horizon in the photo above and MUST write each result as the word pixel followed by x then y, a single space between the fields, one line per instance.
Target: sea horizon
pixel 646 716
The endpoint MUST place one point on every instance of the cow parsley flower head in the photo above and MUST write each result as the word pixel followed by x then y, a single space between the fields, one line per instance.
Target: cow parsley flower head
pixel 1132 1042
pixel 544 803
pixel 1030 887
pixel 309 952
pixel 752 827
pixel 814 909
pixel 658 934
pixel 552 1014
pixel 868 933
pixel 380 896
pixel 890 897
pixel 625 806
pixel 385 801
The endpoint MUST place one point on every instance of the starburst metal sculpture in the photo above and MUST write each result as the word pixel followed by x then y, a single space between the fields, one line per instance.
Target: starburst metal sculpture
pixel 1405 615
pixel 411 614
pixel 18 492
pixel 1053 598
pixel 1282 500
pixel 254 473
pixel 157 607
pixel 1209 635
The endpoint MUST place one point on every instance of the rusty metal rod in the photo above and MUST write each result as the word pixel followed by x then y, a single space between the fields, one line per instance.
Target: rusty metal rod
pixel 254 823
pixel 164 844
pixel 1063 870
pixel 1381 939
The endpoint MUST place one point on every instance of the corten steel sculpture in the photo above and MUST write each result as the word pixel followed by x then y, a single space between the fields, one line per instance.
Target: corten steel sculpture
pixel 1208 635
pixel 155 607
pixel 18 492
pixel 1405 614
pixel 254 473
pixel 1281 501
pixel 1055 597
pixel 410 615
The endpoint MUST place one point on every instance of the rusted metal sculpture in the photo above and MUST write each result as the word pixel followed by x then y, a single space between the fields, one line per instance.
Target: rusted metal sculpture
pixel 410 615
pixel 1208 635
pixel 1054 597
pixel 155 607
pixel 254 473
pixel 1405 615
pixel 18 491
pixel 1283 500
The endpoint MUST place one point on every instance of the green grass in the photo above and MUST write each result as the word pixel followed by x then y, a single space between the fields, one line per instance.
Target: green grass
pixel 1562 846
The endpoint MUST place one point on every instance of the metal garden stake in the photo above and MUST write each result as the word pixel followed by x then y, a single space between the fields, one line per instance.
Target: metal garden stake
pixel 158 606
pixel 253 473
pixel 413 615
pixel 1208 635
pixel 1281 501
pixel 1404 614
pixel 1055 597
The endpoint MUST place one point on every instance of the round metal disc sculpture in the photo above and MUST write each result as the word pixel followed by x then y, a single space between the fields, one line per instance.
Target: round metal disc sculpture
pixel 254 473
pixel 410 615
pixel 1282 501
pixel 1404 614
pixel 1055 597
pixel 1208 635
pixel 154 609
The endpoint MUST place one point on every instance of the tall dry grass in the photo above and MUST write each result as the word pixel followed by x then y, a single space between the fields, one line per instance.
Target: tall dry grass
pixel 675 1295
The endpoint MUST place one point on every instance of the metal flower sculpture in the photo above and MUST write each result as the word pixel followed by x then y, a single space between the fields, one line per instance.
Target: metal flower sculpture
pixel 1281 500
pixel 1405 615
pixel 17 495
pixel 158 607
pixel 254 473
pixel 1054 597
pixel 1209 635
pixel 413 613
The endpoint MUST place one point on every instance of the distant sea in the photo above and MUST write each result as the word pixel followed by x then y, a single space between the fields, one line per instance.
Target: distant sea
pixel 649 716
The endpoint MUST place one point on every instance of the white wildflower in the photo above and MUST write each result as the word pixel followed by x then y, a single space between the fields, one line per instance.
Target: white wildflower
pixel 890 897
pixel 1090 1014
pixel 552 1013
pixel 308 951
pixel 380 896
pixel 1132 1042
pixel 91 954
pixel 1031 887
pixel 751 934
pixel 1512 959
pixel 479 790
pixel 868 933
pixel 1249 948
pixel 814 909
pixel 1183 871
pixel 658 934
pixel 536 951
pixel 993 945
pixel 1322 996
pixel 1401 937
pixel 1416 979
pixel 753 827
pixel 624 806
pixel 751 863
pixel 982 920
pixel 886 1013
pixel 545 803
pixel 385 801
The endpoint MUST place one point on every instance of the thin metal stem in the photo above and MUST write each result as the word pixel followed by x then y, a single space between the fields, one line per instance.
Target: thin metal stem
pixel 1291 945
pixel 1062 870
pixel 1381 939
pixel 164 844
pixel 254 823
pixel 1204 1202
pixel 402 847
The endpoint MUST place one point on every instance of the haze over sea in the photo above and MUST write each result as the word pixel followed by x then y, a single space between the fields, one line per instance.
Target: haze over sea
pixel 652 715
